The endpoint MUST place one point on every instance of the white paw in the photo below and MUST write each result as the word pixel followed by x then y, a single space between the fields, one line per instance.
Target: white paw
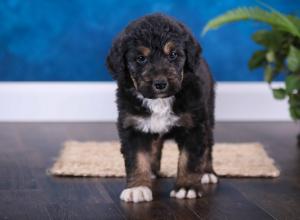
pixel 136 194
pixel 182 193
pixel 209 178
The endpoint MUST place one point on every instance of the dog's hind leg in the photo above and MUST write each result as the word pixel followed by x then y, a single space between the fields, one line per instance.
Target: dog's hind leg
pixel 194 164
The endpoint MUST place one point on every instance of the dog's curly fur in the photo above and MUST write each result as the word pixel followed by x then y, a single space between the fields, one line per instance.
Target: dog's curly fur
pixel 157 49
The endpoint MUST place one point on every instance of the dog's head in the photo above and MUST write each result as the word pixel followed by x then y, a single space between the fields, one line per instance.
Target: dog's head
pixel 152 55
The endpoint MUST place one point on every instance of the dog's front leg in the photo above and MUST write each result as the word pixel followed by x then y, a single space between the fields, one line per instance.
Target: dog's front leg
pixel 136 152
pixel 194 164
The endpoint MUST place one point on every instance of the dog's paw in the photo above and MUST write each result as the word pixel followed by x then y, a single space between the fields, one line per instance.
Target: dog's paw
pixel 209 178
pixel 137 194
pixel 183 193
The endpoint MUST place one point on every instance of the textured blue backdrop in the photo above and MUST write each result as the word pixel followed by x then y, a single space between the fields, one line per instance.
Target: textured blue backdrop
pixel 63 40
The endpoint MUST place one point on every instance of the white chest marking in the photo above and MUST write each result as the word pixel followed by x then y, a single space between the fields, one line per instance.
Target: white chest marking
pixel 162 117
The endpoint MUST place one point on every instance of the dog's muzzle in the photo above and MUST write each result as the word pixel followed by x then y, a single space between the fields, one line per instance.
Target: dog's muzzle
pixel 160 85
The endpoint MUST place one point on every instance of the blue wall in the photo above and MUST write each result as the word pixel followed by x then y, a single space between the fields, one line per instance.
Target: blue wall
pixel 67 40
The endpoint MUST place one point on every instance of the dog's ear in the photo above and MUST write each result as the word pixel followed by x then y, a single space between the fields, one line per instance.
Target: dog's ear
pixel 115 61
pixel 192 49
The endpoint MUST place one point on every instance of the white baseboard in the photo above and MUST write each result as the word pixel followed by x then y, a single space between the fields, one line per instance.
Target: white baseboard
pixel 96 102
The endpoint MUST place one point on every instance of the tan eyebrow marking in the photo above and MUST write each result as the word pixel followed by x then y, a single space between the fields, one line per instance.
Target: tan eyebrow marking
pixel 169 46
pixel 144 50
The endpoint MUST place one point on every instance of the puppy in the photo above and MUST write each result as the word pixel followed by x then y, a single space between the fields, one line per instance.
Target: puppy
pixel 165 91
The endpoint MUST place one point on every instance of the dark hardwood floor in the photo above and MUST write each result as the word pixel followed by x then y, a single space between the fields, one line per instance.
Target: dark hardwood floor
pixel 27 192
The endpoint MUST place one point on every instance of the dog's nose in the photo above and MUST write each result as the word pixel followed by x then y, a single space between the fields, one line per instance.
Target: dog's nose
pixel 160 85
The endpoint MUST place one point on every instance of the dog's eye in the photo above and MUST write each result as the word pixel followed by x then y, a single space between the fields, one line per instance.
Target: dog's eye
pixel 172 55
pixel 141 59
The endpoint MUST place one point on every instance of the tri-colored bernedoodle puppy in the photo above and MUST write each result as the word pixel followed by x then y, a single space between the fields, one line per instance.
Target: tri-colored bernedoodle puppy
pixel 165 91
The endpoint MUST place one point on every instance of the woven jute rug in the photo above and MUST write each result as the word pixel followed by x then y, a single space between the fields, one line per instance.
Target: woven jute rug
pixel 103 159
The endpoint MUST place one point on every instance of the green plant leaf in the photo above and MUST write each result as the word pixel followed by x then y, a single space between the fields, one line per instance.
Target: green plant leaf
pixel 268 74
pixel 273 18
pixel 270 56
pixel 292 82
pixel 272 39
pixel 262 37
pixel 293 59
pixel 257 59
pixel 279 93
pixel 294 101
pixel 295 20
pixel 295 113
pixel 291 25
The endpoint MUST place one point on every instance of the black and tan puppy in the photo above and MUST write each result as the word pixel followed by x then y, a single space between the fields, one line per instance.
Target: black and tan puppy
pixel 165 90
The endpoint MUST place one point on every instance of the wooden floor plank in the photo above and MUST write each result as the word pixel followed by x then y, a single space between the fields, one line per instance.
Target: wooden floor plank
pixel 27 192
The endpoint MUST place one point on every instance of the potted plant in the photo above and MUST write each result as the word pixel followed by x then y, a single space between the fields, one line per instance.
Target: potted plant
pixel 280 52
